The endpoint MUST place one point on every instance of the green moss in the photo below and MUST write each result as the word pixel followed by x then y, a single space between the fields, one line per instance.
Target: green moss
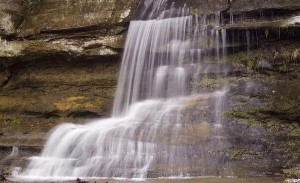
pixel 248 59
pixel 294 133
pixel 241 98
pixel 291 143
pixel 246 113
pixel 213 82
pixel 16 121
pixel 6 171
pixel 292 173
pixel 212 59
pixel 282 61
pixel 267 33
pixel 11 122
pixel 284 103
pixel 235 154
pixel 207 82
pixel 195 11
pixel 257 117
pixel 34 21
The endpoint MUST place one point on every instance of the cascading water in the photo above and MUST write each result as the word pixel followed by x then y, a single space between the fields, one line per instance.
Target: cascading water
pixel 156 50
pixel 15 151
pixel 159 126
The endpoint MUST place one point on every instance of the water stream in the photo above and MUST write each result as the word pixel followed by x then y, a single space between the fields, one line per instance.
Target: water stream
pixel 161 126
pixel 15 151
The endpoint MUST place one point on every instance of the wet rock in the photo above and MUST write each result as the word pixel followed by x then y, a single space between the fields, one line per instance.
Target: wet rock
pixel 245 5
pixel 2 178
pixel 264 125
pixel 78 180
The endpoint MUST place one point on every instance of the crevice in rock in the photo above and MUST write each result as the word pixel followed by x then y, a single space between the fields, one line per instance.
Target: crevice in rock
pixel 84 114
pixel 87 30
pixel 8 77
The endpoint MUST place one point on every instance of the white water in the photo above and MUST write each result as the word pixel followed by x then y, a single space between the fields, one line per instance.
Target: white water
pixel 152 8
pixel 115 147
pixel 156 129
pixel 15 151
pixel 152 47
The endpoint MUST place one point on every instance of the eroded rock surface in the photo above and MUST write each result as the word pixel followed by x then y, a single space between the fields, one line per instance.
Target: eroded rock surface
pixel 62 46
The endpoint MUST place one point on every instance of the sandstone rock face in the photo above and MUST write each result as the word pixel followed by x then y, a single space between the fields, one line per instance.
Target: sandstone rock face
pixel 80 27
pixel 11 16
pixel 59 62
pixel 70 43
pixel 55 15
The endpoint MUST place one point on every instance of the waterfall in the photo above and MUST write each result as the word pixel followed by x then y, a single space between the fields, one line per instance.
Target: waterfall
pixel 151 45
pixel 158 127
pixel 15 151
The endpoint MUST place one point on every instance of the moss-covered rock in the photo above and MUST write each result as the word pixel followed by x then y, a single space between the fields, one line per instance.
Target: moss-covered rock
pixel 292 173
pixel 239 6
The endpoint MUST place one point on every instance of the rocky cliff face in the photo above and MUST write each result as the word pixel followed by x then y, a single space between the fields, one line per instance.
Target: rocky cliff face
pixel 59 61
pixel 49 44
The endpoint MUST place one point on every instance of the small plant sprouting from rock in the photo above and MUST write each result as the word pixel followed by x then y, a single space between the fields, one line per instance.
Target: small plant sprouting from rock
pixel 16 121
pixel 267 33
